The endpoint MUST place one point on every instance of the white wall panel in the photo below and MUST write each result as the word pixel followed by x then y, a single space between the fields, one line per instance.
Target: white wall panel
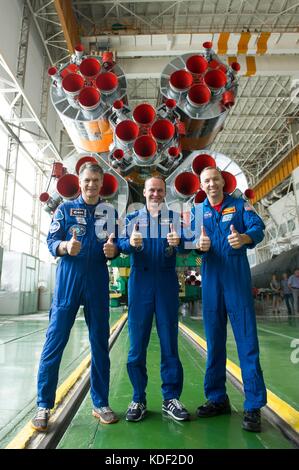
pixel 10 27
pixel 34 70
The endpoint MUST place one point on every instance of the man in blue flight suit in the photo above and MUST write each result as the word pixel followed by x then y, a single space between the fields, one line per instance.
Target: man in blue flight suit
pixel 227 227
pixel 79 236
pixel 151 238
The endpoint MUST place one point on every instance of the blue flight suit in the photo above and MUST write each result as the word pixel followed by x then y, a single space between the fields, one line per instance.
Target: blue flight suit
pixel 80 280
pixel 226 290
pixel 153 288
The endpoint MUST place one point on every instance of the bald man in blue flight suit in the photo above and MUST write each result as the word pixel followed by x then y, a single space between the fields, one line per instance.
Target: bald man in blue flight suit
pixel 78 234
pixel 225 228
pixel 152 237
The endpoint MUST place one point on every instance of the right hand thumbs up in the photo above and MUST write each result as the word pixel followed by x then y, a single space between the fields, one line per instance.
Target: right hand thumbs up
pixel 203 232
pixel 73 245
pixel 136 237
pixel 204 242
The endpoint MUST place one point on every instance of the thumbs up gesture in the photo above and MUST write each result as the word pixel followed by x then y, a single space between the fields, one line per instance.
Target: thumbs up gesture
pixel 235 238
pixel 109 248
pixel 204 242
pixel 136 237
pixel 73 245
pixel 172 237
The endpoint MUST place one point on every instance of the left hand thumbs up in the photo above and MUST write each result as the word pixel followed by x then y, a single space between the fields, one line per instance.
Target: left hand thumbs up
pixel 235 238
pixel 172 237
pixel 110 238
pixel 109 249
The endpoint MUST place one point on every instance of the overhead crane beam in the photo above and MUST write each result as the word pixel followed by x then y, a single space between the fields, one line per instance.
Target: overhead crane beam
pixel 277 175
pixel 68 22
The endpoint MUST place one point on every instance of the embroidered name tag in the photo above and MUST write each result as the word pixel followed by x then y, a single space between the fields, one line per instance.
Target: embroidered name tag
pixel 227 217
pixel 77 212
pixel 229 210
pixel 207 215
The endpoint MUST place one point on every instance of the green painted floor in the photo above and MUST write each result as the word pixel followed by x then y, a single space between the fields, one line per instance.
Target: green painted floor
pixel 275 337
pixel 155 431
pixel 21 342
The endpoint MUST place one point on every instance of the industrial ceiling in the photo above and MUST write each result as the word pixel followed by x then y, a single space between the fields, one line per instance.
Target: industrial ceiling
pixel 262 127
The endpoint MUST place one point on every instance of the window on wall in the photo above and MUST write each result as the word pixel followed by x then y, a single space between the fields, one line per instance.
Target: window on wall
pixel 20 241
pixel 23 204
pixel 45 221
pixel 3 152
pixel 26 173
pixel 44 253
pixel 3 147
pixel 20 194
pixel 1 185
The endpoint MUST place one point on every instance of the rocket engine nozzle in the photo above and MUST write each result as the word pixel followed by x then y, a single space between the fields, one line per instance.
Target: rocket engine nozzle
pixel 186 184
pixel 90 68
pixel 126 132
pixel 230 182
pixel 109 187
pixel 118 154
pixel 118 105
pixel 107 58
pixel 163 130
pixel 78 53
pixel 228 99
pixel 55 76
pixel 50 202
pixel 215 80
pixel 82 160
pixel 235 66
pixel 180 81
pixel 89 98
pixel 202 161
pixel 249 193
pixel 173 152
pixel 196 65
pixel 199 95
pixel 107 82
pixel 44 197
pixel 144 115
pixel 68 186
pixel 199 196
pixel 72 84
pixel 145 148
pixel 170 103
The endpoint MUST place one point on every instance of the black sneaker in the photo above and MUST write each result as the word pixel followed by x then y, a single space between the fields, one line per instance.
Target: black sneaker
pixel 212 408
pixel 40 420
pixel 136 411
pixel 175 409
pixel 252 420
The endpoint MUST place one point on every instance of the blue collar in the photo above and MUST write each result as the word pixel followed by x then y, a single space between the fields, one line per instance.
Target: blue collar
pixel 226 200
pixel 80 200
